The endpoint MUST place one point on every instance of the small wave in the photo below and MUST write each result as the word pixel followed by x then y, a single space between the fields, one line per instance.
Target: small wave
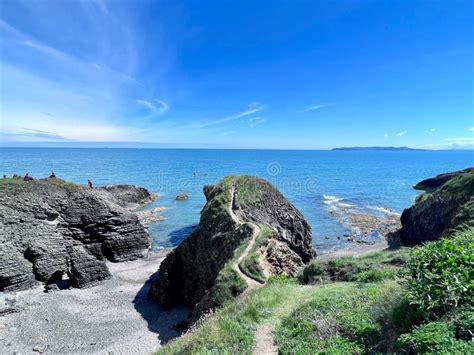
pixel 382 209
pixel 329 200
pixel 345 205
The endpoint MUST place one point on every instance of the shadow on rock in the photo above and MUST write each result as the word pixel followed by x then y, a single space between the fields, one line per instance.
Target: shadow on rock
pixel 164 322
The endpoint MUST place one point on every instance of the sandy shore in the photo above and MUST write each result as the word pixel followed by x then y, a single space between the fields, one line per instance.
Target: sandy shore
pixel 114 317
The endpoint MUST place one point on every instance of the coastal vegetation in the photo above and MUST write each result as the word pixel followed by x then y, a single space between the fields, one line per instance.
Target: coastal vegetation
pixel 336 306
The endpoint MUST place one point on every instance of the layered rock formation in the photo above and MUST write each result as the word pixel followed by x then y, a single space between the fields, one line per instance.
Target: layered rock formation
pixel 51 229
pixel 236 208
pixel 448 203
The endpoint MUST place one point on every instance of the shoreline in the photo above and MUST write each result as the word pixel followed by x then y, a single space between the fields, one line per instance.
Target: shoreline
pixel 115 316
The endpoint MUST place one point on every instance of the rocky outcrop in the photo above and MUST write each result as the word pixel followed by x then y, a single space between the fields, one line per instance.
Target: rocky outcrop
pixel 448 203
pixel 51 229
pixel 235 208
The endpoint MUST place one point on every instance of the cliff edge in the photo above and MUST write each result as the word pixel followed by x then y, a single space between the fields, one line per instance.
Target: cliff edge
pixel 446 204
pixel 247 232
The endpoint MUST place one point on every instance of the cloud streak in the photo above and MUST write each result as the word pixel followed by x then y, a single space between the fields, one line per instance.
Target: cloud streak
pixel 315 107
pixel 401 134
pixel 35 133
pixel 160 107
pixel 253 108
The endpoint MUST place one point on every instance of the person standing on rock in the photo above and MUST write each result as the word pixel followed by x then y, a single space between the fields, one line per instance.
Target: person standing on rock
pixel 53 175
pixel 89 182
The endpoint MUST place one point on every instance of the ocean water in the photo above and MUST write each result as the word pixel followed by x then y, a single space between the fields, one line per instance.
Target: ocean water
pixel 314 181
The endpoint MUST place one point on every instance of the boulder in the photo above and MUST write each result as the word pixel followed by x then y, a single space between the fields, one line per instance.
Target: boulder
pixel 51 227
pixel 182 196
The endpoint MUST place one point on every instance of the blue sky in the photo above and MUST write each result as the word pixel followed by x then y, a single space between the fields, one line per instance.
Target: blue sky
pixel 263 74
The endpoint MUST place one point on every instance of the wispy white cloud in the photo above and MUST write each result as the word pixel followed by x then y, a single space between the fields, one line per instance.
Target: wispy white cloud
pixel 385 135
pixel 34 134
pixel 315 107
pixel 160 107
pixel 253 121
pixel 432 131
pixel 460 140
pixel 471 129
pixel 453 143
pixel 56 131
pixel 401 134
pixel 253 107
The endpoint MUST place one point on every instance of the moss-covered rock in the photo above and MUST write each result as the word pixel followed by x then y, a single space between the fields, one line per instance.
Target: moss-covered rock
pixel 447 204
pixel 199 267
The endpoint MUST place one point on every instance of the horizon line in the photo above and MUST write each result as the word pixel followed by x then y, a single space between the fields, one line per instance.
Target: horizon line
pixel 200 146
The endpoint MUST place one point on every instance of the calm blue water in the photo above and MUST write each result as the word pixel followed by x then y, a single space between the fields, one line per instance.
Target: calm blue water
pixel 366 179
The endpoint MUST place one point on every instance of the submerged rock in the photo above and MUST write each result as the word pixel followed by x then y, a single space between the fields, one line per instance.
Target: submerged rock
pixel 447 204
pixel 235 208
pixel 50 227
pixel 183 196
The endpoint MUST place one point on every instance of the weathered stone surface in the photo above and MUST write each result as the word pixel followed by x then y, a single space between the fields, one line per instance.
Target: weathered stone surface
pixel 49 227
pixel 190 270
pixel 448 203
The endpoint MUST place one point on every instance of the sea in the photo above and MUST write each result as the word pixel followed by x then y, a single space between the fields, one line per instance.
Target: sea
pixel 316 182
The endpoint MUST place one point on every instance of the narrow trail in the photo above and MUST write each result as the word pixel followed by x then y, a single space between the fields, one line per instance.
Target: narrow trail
pixel 264 344
pixel 251 283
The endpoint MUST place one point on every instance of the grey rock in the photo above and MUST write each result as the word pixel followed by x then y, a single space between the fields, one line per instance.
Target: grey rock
pixel 447 204
pixel 182 196
pixel 51 227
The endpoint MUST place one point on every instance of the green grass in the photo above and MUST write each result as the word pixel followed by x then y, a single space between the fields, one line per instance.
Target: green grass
pixel 373 316
pixel 19 181
pixel 462 181
pixel 251 265
pixel 341 318
pixel 12 181
pixel 232 328
pixel 370 268
pixel 247 191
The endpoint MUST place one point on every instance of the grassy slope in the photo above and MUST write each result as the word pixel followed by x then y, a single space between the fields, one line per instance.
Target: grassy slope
pixel 228 284
pixel 370 316
pixel 231 329
pixel 250 265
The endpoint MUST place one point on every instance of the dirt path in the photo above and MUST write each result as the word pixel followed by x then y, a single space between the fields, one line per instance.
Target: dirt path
pixel 264 344
pixel 252 283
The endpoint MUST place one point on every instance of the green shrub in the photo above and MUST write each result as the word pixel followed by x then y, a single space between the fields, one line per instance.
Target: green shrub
pixel 280 279
pixel 377 275
pixel 464 324
pixel 369 268
pixel 250 266
pixel 434 338
pixel 442 273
